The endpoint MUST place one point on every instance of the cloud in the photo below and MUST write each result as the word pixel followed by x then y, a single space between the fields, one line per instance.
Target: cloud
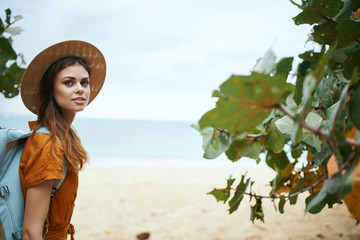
pixel 164 57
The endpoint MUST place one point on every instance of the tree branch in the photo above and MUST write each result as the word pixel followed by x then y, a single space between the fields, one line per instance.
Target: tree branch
pixel 323 178
pixel 323 134
pixel 294 194
pixel 308 188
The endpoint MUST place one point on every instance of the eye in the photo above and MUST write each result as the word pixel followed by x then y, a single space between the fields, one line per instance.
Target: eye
pixel 85 83
pixel 68 83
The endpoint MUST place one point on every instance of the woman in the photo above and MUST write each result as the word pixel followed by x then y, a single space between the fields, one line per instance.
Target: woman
pixel 61 81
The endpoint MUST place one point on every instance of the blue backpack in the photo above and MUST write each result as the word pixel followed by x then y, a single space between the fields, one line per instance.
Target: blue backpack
pixel 12 207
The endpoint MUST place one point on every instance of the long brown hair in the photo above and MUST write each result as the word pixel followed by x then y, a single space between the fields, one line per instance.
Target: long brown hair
pixel 50 115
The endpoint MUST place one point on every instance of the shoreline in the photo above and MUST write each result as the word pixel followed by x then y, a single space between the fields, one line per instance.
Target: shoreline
pixel 171 203
pixel 172 162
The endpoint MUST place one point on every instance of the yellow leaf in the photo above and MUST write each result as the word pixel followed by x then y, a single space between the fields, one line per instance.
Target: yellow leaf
pixel 309 157
pixel 357 14
pixel 282 189
pixel 332 166
pixel 289 169
pixel 310 181
pixel 351 134
pixel 352 200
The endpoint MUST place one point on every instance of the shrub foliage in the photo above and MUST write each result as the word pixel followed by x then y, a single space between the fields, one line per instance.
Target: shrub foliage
pixel 316 119
pixel 11 63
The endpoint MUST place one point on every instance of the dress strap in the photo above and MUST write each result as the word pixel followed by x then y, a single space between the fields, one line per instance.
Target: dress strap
pixel 61 233
pixel 71 231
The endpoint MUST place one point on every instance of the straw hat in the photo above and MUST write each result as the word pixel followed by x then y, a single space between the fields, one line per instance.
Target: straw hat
pixel 30 82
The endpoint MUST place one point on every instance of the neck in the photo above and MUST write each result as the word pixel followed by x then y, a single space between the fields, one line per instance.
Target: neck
pixel 69 116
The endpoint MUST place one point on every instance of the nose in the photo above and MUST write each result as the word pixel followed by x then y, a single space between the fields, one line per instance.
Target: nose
pixel 79 89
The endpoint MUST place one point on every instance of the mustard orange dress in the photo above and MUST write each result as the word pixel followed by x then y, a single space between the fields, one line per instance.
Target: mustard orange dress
pixel 36 168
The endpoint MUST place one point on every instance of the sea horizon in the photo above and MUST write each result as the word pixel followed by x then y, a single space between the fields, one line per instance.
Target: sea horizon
pixel 138 143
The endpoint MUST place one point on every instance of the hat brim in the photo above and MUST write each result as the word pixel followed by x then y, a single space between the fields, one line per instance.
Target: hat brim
pixel 30 82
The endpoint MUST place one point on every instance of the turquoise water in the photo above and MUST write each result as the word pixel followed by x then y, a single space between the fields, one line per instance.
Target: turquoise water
pixel 113 142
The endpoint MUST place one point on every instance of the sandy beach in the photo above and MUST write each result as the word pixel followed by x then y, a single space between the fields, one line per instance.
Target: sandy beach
pixel 171 204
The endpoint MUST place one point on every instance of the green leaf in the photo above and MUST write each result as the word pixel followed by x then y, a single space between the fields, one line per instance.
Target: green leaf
pixel 239 194
pixel 319 10
pixel 217 94
pixel 278 162
pixel 310 83
pixel 284 66
pixel 266 64
pixel 345 12
pixel 285 125
pixel 275 141
pixel 230 181
pixel 293 199
pixel 338 126
pixel 331 113
pixel 244 148
pixel 220 194
pixel 352 65
pixel 291 104
pixel 347 181
pixel 247 101
pixel 334 185
pixel 332 191
pixel 322 67
pixel 341 54
pixel 354 108
pixel 312 58
pixel 315 206
pixel 251 185
pixel 214 142
pixel 348 32
pixel 282 204
pixel 323 155
pixel 299 84
pixel 257 211
pixel 2 27
pixel 308 88
pixel 6 50
pixel 313 120
pixel 223 194
pixel 355 5
pixel 323 94
pixel 297 151
pixel 8 16
pixel 10 80
pixel 325 33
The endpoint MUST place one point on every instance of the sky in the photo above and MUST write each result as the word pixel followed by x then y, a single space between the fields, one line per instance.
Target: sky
pixel 164 58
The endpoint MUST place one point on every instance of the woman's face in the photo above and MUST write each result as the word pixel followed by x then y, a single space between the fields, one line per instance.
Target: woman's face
pixel 72 90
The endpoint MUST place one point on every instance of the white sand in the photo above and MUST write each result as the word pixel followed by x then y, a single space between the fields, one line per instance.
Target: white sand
pixel 172 204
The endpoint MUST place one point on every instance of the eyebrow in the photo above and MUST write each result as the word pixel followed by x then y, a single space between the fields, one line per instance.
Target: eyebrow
pixel 73 78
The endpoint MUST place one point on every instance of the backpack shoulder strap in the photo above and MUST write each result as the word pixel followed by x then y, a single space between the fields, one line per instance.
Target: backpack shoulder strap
pixel 13 144
pixel 22 139
pixel 58 182
pixel 16 142
pixel 43 130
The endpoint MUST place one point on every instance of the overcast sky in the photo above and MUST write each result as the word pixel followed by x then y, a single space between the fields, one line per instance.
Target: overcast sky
pixel 164 58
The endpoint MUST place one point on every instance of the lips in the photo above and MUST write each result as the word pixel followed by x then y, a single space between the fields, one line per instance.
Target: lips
pixel 79 100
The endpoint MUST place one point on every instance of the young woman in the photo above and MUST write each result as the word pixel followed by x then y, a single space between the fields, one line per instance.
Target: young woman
pixel 61 81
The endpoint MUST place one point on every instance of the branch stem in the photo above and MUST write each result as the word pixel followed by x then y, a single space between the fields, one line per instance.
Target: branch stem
pixel 323 134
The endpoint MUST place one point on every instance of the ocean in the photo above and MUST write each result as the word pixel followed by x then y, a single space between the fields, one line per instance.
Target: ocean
pixel 149 143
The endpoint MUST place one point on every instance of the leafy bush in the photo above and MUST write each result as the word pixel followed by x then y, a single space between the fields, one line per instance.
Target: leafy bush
pixel 317 117
pixel 10 70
